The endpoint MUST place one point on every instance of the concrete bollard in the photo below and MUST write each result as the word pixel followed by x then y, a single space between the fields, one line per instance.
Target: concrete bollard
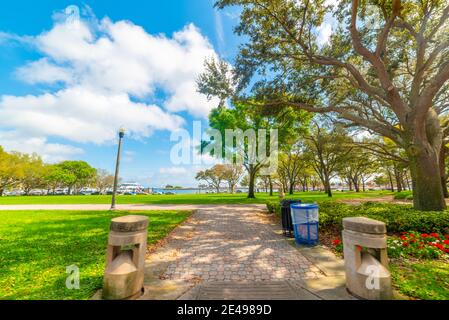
pixel 125 258
pixel 367 274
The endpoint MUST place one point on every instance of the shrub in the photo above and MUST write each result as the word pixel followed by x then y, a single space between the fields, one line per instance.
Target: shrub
pixel 398 218
pixel 274 207
pixel 404 195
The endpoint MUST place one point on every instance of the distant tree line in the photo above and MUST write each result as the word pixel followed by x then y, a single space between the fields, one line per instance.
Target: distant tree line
pixel 29 172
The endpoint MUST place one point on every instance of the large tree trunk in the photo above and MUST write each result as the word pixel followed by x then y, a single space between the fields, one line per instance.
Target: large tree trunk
pixel 1 192
pixel 391 181
pixel 252 178
pixel 350 184
pixel 271 186
pixel 443 175
pixel 327 187
pixel 426 181
pixel 356 184
pixel 291 188
pixel 398 180
pixel 424 143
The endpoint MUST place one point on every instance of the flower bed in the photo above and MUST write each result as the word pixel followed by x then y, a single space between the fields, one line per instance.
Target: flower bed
pixel 412 245
pixel 419 245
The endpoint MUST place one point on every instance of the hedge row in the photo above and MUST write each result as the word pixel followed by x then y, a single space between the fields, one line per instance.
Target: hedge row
pixel 404 195
pixel 398 218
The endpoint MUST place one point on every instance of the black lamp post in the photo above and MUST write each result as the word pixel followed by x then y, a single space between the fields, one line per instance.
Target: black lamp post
pixel 121 134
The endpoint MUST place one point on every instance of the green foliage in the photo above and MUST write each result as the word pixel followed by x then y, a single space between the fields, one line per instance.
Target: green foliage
pixel 34 172
pixel 422 279
pixel 404 195
pixel 11 170
pixel 246 118
pixel 37 246
pixel 399 218
pixel 274 207
pixel 76 173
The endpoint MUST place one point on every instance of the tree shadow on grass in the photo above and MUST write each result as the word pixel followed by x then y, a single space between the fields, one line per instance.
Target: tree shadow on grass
pixel 34 254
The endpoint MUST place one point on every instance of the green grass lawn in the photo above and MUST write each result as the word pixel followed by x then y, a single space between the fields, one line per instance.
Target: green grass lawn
pixel 37 246
pixel 240 198
pixel 423 279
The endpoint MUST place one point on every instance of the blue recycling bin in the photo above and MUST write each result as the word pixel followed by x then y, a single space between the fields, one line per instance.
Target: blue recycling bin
pixel 305 219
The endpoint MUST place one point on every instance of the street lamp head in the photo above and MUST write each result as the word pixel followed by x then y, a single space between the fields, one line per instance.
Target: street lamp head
pixel 121 132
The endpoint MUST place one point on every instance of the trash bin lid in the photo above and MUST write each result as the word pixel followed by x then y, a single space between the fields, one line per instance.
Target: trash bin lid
pixel 304 206
pixel 288 203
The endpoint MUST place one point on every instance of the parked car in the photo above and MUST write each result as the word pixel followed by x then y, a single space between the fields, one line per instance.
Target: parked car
pixel 36 193
pixel 13 193
pixel 60 192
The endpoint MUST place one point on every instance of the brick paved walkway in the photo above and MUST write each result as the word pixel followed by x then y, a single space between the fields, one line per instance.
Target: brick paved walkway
pixel 229 244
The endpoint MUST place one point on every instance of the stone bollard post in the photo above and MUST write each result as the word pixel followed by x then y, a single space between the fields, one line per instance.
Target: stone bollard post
pixel 366 260
pixel 125 258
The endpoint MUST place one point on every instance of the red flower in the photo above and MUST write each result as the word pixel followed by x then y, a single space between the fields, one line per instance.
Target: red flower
pixel 360 248
pixel 446 241
pixel 336 242
pixel 405 244
pixel 446 236
pixel 403 238
pixel 440 246
pixel 412 235
pixel 424 235
pixel 435 235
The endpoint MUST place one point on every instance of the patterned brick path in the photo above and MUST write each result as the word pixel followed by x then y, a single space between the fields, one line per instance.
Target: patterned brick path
pixel 230 244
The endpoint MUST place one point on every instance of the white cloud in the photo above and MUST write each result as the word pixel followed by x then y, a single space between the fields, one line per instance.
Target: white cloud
pixel 81 115
pixel 332 3
pixel 124 58
pixel 109 71
pixel 42 71
pixel 324 33
pixel 51 152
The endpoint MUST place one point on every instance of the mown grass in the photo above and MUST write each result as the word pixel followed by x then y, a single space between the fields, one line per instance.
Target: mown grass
pixel 240 198
pixel 37 246
pixel 422 279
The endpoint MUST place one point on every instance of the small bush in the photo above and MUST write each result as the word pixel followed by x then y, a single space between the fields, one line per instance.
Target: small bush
pixel 398 218
pixel 404 195
pixel 274 207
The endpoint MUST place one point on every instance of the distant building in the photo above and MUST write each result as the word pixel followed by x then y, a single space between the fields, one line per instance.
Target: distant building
pixel 130 187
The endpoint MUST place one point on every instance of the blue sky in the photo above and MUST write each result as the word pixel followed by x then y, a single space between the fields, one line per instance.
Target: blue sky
pixel 66 87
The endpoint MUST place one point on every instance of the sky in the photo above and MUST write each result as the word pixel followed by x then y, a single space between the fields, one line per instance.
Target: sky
pixel 74 72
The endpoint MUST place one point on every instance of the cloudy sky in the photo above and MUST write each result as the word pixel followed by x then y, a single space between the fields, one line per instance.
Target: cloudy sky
pixel 73 72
